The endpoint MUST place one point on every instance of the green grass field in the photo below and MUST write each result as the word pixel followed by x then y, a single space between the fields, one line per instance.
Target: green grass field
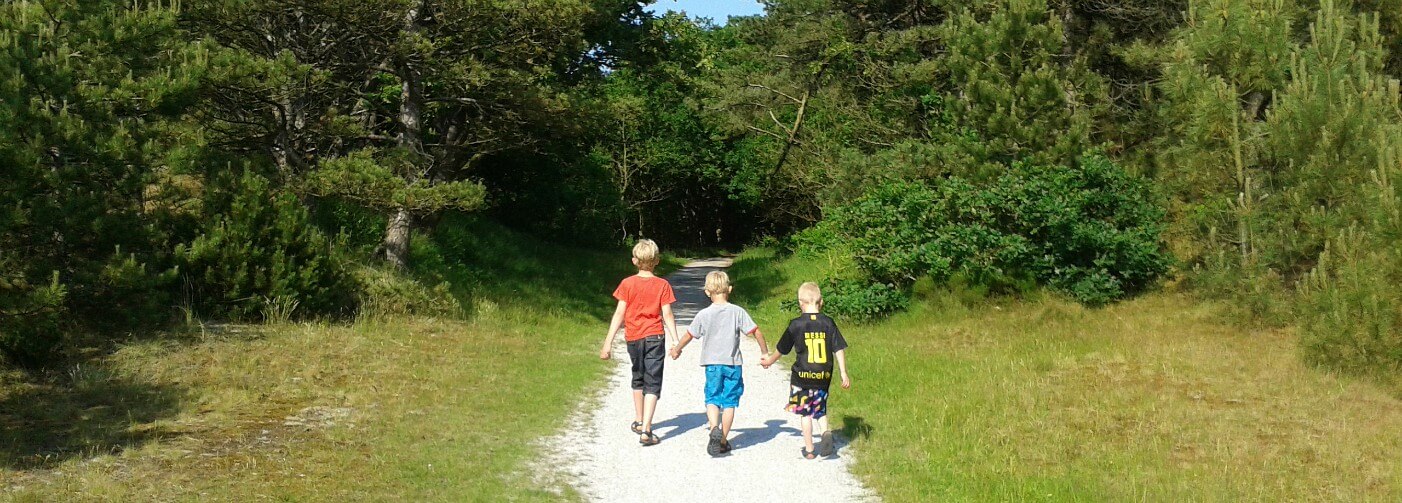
pixel 419 408
pixel 1154 399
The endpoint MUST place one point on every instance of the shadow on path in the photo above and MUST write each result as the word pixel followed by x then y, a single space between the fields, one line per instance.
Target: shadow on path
pixel 745 437
pixel 681 424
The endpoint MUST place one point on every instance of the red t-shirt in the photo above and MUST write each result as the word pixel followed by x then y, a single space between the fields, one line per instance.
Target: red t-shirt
pixel 645 297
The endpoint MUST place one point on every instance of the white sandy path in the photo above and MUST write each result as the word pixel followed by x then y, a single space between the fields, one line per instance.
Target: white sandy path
pixel 603 460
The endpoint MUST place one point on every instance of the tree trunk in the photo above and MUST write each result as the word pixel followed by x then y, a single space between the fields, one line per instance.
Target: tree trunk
pixel 401 221
pixel 396 243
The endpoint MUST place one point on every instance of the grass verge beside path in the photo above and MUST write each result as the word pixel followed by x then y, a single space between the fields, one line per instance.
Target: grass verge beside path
pixel 389 408
pixel 1042 400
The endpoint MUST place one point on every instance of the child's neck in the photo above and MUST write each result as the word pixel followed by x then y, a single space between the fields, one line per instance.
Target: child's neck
pixel 720 299
pixel 809 309
pixel 646 274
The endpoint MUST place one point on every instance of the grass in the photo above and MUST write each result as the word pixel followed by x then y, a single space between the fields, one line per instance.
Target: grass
pixel 959 399
pixel 388 408
pixel 1154 399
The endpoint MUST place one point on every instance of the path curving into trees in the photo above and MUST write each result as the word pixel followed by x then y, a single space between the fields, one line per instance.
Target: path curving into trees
pixel 603 460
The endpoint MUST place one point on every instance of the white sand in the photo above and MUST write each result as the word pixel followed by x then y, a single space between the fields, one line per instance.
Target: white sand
pixel 601 458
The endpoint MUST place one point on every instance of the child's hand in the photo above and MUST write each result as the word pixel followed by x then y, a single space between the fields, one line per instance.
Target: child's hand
pixel 676 352
pixel 604 354
pixel 846 382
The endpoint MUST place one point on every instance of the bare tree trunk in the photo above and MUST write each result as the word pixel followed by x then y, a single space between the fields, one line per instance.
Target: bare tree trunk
pixel 396 243
pixel 400 226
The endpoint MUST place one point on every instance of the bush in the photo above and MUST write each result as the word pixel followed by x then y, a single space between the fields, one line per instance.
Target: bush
pixel 263 253
pixel 862 301
pixel 31 319
pixel 1349 308
pixel 1090 231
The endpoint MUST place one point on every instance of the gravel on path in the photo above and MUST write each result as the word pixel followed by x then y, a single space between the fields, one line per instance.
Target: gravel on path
pixel 601 458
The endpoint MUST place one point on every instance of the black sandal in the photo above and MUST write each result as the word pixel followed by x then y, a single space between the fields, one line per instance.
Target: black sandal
pixel 807 454
pixel 637 427
pixel 648 439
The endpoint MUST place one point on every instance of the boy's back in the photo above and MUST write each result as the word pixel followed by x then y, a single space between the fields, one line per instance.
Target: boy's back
pixel 814 338
pixel 719 326
pixel 645 297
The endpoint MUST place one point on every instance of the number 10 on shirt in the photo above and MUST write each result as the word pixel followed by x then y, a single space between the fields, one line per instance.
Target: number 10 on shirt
pixel 817 343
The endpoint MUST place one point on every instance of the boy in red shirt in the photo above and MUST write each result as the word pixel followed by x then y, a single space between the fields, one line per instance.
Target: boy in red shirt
pixel 645 311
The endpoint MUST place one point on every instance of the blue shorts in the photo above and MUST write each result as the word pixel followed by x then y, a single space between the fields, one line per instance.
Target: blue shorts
pixel 724 386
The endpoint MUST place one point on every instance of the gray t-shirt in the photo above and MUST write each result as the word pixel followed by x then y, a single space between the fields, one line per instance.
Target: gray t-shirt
pixel 719 326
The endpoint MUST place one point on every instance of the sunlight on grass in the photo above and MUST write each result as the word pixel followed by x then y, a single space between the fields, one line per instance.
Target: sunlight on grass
pixel 389 408
pixel 1044 400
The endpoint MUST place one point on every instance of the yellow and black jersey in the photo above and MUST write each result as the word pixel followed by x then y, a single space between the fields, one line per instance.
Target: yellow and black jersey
pixel 813 337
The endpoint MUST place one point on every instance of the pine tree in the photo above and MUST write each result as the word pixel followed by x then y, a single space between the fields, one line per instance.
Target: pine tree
pixel 90 97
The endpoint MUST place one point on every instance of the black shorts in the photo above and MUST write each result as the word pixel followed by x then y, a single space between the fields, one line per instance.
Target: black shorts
pixel 647 355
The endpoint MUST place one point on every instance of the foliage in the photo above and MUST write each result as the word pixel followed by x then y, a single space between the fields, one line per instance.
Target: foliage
pixel 262 253
pixel 1090 231
pixel 90 100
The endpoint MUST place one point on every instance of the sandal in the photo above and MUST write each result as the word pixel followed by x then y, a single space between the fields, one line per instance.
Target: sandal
pixel 807 454
pixel 648 439
pixel 725 446
pixel 637 427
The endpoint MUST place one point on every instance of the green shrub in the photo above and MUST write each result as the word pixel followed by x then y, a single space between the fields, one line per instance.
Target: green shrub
pixel 1090 231
pixel 31 319
pixel 1350 315
pixel 862 301
pixel 262 252
pixel 386 292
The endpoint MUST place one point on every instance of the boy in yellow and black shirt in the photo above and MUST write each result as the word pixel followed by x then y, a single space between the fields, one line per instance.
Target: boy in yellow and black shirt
pixel 817 343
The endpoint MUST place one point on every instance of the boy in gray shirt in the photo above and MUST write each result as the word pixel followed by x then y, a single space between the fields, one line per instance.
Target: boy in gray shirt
pixel 720 326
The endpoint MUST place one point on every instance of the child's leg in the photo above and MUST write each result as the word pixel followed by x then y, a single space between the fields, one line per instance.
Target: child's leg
pixel 653 352
pixel 649 406
pixel 713 416
pixel 808 433
pixel 823 424
pixel 635 357
pixel 727 418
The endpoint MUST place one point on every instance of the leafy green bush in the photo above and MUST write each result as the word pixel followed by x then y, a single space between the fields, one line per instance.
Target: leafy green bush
pixel 862 301
pixel 1090 231
pixel 262 252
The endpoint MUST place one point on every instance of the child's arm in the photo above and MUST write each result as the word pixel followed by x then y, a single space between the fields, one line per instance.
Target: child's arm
pixel 769 359
pixel 759 337
pixel 842 367
pixel 669 324
pixel 616 322
pixel 677 350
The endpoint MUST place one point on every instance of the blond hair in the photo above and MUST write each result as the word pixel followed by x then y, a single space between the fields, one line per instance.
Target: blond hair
pixel 809 293
pixel 645 253
pixel 717 282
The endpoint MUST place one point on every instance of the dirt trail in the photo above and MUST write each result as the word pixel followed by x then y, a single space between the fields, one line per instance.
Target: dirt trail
pixel 603 460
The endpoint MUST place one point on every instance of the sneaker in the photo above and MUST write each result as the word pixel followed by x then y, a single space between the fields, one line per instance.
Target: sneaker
pixel 714 447
pixel 825 447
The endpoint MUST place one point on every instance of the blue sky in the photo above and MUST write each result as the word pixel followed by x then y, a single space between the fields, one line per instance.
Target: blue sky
pixel 717 10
